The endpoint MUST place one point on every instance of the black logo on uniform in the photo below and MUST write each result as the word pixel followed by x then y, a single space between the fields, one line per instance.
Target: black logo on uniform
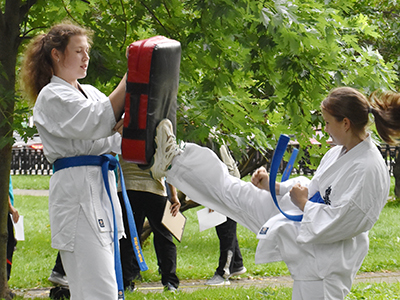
pixel 327 194
pixel 101 223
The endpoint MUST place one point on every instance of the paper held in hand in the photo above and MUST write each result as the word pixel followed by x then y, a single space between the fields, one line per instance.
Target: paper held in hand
pixel 176 224
pixel 19 229
pixel 208 219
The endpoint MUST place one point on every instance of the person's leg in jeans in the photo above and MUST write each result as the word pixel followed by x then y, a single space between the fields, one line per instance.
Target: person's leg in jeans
pixel 237 261
pixel 58 267
pixel 11 243
pixel 154 206
pixel 57 276
pixel 130 267
pixel 227 247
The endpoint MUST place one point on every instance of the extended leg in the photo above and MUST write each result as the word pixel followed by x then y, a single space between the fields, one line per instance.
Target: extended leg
pixel 202 176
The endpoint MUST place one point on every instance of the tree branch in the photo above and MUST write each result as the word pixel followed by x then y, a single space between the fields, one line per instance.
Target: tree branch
pixel 24 9
pixel 68 12
pixel 154 16
pixel 125 23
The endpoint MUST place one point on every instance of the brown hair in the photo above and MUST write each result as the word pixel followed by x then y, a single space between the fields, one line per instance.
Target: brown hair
pixel 346 102
pixel 386 110
pixel 37 67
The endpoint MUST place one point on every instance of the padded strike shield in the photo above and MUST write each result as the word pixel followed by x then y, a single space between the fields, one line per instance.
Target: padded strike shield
pixel 151 93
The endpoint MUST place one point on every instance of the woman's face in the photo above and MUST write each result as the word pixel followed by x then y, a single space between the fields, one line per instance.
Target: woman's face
pixel 334 128
pixel 74 62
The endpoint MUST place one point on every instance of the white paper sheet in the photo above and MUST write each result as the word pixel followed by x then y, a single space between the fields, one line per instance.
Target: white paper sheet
pixel 209 219
pixel 19 229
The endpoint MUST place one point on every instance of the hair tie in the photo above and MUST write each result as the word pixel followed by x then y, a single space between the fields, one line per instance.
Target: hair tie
pixel 44 39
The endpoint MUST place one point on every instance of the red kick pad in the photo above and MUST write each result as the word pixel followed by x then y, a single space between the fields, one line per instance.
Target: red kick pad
pixel 151 92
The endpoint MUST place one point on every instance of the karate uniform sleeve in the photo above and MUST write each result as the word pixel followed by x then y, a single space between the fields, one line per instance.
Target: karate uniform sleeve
pixel 286 186
pixel 113 143
pixel 68 114
pixel 357 212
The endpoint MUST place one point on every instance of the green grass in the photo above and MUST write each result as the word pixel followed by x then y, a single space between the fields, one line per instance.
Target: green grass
pixel 197 254
pixel 30 182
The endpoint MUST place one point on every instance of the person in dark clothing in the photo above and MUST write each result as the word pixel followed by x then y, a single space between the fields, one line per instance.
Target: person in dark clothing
pixel 58 276
pixel 230 258
pixel 11 241
pixel 148 198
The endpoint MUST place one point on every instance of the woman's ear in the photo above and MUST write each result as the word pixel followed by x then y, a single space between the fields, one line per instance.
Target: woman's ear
pixel 346 124
pixel 55 55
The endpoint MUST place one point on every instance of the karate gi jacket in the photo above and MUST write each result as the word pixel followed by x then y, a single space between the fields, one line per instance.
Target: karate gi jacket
pixel 331 241
pixel 71 124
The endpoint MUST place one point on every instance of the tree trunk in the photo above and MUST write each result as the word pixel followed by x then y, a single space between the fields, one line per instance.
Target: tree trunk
pixel 5 154
pixel 10 41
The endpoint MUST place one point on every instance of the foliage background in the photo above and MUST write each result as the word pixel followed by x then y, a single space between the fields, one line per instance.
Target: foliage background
pixel 250 70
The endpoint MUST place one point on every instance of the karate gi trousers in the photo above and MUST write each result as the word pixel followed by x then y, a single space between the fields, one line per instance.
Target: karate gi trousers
pixel 86 262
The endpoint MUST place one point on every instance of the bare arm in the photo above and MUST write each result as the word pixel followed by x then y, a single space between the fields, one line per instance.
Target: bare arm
pixel 14 213
pixel 117 98
pixel 176 205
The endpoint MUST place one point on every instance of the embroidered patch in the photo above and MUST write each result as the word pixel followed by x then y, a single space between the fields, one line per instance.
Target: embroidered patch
pixel 101 223
pixel 263 230
pixel 328 192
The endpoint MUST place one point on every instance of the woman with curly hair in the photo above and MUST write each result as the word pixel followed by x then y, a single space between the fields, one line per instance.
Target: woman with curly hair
pixel 76 120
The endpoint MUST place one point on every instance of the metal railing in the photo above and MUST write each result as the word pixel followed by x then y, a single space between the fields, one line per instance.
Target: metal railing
pixel 30 162
pixel 33 162
pixel 390 154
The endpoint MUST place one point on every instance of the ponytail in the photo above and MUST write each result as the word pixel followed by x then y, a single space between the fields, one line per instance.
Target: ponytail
pixel 385 108
pixel 37 67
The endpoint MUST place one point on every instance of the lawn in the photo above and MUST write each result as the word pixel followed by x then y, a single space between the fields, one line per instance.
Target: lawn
pixel 197 254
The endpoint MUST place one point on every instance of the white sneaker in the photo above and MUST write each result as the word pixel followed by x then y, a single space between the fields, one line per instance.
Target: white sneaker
pixel 166 150
pixel 238 272
pixel 218 280
pixel 58 279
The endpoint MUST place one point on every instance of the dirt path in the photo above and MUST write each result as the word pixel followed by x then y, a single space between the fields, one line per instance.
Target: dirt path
pixel 190 285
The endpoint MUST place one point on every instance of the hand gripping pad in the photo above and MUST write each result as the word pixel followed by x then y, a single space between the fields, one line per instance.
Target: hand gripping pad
pixel 151 92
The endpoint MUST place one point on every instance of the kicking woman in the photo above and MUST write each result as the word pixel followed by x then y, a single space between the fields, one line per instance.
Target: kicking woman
pixel 325 250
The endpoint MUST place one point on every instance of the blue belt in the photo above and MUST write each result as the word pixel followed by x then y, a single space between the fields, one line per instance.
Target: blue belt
pixel 109 162
pixel 275 163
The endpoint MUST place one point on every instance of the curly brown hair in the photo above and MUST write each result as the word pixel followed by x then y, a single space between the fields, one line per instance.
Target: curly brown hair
pixel 37 66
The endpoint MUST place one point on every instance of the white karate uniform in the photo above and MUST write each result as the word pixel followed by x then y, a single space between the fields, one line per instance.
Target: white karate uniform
pixel 80 211
pixel 325 250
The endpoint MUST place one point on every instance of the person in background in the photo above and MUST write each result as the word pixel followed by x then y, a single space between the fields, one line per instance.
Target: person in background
pixel 58 276
pixel 11 241
pixel 148 198
pixel 230 261
pixel 76 120
pixel 325 250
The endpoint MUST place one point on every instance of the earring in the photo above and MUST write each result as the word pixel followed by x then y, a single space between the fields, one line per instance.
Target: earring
pixel 58 60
